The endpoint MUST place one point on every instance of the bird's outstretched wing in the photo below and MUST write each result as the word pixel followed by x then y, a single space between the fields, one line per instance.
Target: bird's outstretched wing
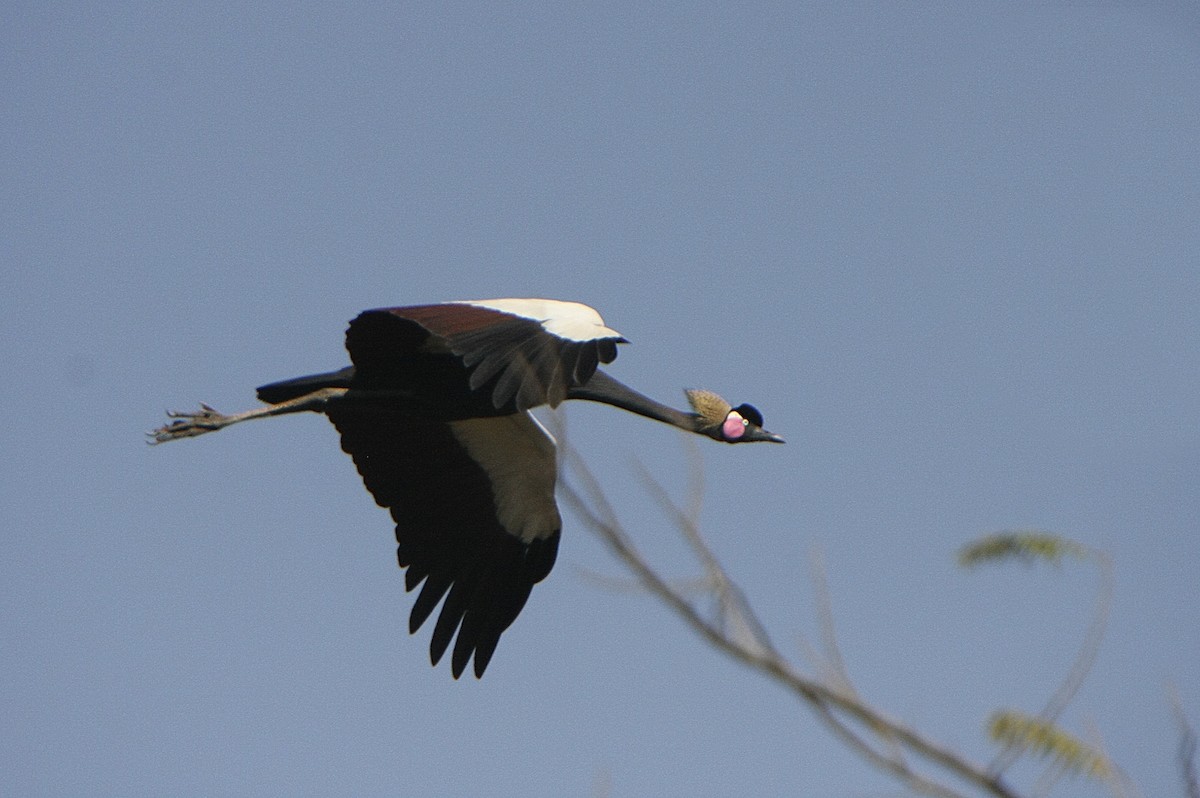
pixel 441 481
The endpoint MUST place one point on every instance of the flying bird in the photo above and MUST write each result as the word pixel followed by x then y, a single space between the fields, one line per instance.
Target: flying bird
pixel 435 413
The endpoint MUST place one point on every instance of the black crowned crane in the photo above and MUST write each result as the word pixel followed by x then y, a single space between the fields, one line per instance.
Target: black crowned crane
pixel 435 413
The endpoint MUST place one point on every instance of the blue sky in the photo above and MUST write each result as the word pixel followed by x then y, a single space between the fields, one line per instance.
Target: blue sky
pixel 949 250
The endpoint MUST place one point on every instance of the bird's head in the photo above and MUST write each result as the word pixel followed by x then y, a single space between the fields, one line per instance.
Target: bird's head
pixel 720 421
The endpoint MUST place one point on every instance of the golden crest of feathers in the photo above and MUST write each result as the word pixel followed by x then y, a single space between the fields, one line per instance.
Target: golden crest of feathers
pixel 711 408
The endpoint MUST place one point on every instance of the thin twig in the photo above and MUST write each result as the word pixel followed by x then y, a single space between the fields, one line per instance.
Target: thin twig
pixel 829 642
pixel 1084 660
pixel 731 598
pixel 1187 745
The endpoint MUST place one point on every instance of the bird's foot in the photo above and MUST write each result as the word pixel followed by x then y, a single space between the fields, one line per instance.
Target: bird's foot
pixel 188 425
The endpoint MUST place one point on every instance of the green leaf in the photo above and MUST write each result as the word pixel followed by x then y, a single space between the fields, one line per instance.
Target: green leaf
pixel 1025 545
pixel 1027 733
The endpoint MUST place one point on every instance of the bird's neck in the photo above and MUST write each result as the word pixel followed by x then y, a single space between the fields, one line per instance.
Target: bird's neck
pixel 603 388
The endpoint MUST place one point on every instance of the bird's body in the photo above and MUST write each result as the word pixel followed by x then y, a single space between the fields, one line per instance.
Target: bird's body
pixel 435 413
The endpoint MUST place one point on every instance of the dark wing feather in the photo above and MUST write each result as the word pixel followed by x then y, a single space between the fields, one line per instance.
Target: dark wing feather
pixel 525 365
pixel 447 533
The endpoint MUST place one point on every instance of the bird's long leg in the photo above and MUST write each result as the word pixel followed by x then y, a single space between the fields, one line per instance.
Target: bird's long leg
pixel 188 425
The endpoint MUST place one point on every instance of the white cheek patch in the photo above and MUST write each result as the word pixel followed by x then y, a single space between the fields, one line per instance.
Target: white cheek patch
pixel 571 320
pixel 519 457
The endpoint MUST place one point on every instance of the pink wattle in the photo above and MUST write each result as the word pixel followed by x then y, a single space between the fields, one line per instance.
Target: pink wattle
pixel 734 427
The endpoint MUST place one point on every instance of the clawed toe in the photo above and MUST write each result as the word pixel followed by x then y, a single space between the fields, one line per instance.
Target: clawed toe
pixel 187 425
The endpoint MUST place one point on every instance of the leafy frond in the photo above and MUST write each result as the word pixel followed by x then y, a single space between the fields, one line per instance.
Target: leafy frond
pixel 1027 733
pixel 1025 545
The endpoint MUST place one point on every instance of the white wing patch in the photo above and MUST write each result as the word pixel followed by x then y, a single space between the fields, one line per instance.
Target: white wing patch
pixel 519 457
pixel 574 321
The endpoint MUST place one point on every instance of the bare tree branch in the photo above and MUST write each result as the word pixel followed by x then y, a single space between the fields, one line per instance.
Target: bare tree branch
pixel 836 708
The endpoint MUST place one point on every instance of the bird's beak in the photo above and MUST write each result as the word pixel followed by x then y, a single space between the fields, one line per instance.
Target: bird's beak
pixel 762 435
